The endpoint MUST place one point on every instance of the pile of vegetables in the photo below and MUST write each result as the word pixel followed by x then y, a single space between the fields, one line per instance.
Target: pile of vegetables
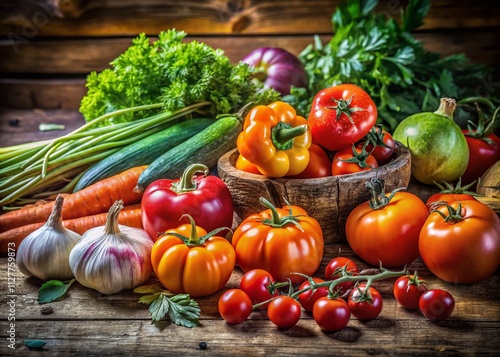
pixel 144 201
pixel 148 88
pixel 382 56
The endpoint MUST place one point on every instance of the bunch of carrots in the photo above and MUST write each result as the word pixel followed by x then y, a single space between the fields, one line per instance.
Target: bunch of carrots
pixel 82 210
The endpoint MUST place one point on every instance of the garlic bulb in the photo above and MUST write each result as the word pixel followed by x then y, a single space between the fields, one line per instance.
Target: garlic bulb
pixel 112 257
pixel 44 253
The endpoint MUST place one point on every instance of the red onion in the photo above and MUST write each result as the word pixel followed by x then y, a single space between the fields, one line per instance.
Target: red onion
pixel 277 68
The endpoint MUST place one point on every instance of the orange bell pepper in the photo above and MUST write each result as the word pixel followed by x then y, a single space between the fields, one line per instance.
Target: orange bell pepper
pixel 275 139
pixel 187 260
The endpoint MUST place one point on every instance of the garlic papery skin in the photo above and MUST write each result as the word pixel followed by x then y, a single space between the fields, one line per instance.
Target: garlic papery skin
pixel 44 253
pixel 112 257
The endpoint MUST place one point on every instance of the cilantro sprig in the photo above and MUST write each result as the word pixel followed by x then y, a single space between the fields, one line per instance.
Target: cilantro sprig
pixel 180 308
pixel 381 55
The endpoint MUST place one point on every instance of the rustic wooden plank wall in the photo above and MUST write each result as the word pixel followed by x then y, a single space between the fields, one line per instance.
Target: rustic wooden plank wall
pixel 47 47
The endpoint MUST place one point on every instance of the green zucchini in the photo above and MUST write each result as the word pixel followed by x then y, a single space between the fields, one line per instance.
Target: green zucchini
pixel 142 152
pixel 205 148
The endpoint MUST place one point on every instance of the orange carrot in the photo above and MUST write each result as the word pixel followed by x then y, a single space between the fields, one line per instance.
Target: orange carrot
pixel 128 216
pixel 94 199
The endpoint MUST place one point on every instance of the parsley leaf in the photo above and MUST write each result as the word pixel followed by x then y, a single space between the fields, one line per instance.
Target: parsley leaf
pixel 181 309
pixel 176 74
pixel 53 289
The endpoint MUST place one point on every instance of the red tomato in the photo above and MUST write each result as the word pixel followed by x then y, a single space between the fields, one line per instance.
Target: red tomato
pixel 361 161
pixel 205 197
pixel 284 311
pixel 390 234
pixel 464 249
pixel 235 306
pixel 309 297
pixel 436 304
pixel 365 305
pixel 382 146
pixel 320 164
pixel 257 284
pixel 446 198
pixel 331 314
pixel 407 291
pixel 482 155
pixel 339 267
pixel 340 116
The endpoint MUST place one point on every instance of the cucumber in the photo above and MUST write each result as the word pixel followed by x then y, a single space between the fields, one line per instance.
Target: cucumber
pixel 142 152
pixel 206 148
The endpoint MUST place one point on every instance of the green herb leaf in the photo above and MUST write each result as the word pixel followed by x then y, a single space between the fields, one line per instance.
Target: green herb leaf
pixel 382 57
pixel 34 343
pixel 175 73
pixel 180 309
pixel 53 289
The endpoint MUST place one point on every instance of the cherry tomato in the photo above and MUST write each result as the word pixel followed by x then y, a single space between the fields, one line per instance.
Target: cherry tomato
pixel 257 283
pixel 320 164
pixel 308 298
pixel 331 314
pixel 436 304
pixel 340 116
pixel 362 161
pixel 382 145
pixel 365 305
pixel 407 291
pixel 235 306
pixel 339 267
pixel 464 248
pixel 482 155
pixel 284 311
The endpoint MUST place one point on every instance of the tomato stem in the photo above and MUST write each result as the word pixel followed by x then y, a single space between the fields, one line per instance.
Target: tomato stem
pixel 343 106
pixel 194 239
pixel 379 198
pixel 275 220
pixel 454 215
pixel 331 284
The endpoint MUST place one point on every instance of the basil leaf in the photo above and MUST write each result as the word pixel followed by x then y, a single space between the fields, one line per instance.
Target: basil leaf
pixel 53 289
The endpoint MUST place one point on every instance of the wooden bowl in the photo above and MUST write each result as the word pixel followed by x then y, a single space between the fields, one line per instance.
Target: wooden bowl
pixel 329 200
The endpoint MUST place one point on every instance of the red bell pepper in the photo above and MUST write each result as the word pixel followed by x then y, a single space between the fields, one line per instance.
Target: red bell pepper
pixel 204 197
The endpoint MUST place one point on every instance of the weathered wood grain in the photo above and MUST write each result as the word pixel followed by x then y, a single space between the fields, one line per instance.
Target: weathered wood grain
pixel 86 55
pixel 126 17
pixel 328 199
pixel 88 323
pixel 26 129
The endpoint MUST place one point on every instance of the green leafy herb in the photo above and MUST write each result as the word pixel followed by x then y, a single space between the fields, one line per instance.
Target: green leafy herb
pixel 381 56
pixel 34 343
pixel 53 289
pixel 174 73
pixel 180 309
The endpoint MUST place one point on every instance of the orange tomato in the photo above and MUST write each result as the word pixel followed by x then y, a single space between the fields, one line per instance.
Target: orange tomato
pixel 464 248
pixel 272 241
pixel 194 265
pixel 388 235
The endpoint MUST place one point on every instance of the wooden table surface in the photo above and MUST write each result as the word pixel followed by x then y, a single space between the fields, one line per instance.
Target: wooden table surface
pixel 86 322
